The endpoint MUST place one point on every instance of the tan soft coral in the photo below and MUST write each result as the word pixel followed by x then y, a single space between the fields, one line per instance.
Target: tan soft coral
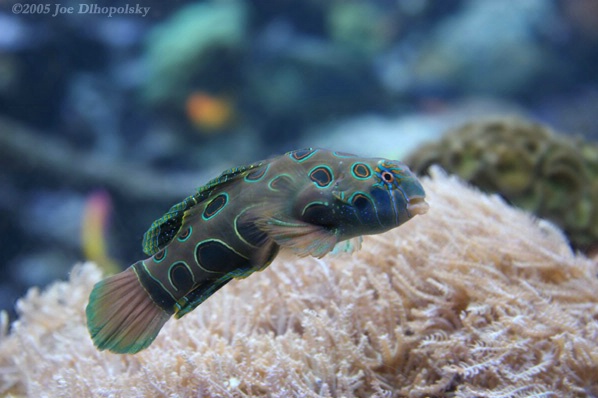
pixel 473 299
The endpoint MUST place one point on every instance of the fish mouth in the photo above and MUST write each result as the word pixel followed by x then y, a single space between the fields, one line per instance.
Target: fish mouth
pixel 417 206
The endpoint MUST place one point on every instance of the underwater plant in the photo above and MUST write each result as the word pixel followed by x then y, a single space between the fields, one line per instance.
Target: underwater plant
pixel 554 176
pixel 309 201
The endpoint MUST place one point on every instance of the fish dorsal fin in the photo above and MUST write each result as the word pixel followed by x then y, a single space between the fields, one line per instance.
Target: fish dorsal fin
pixel 228 176
pixel 164 229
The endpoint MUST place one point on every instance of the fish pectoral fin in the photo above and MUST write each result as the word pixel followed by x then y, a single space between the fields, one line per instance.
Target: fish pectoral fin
pixel 302 238
pixel 348 246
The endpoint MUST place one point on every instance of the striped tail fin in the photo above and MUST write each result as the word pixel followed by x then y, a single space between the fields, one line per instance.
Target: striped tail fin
pixel 121 316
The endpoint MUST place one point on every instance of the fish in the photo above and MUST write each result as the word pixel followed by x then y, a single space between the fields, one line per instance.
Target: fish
pixel 308 201
pixel 209 112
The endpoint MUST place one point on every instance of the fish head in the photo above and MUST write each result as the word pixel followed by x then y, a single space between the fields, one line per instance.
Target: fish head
pixel 332 197
pixel 381 194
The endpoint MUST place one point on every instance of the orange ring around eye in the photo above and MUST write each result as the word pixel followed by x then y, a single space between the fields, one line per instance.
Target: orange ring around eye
pixel 387 176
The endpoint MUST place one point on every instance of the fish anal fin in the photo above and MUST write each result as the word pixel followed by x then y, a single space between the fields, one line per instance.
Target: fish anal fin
pixel 200 294
pixel 121 316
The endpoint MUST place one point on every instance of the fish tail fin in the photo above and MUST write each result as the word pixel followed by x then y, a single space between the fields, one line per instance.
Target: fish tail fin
pixel 121 316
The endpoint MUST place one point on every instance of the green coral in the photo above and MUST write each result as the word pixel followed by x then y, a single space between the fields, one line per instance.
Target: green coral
pixel 179 48
pixel 351 24
pixel 554 176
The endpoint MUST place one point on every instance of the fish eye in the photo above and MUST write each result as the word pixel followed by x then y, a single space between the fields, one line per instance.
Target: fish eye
pixel 387 176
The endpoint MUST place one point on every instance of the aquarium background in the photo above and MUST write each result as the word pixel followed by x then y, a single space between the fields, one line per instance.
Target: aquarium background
pixel 112 111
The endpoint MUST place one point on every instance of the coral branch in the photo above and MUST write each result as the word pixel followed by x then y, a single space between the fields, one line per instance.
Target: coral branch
pixel 32 151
